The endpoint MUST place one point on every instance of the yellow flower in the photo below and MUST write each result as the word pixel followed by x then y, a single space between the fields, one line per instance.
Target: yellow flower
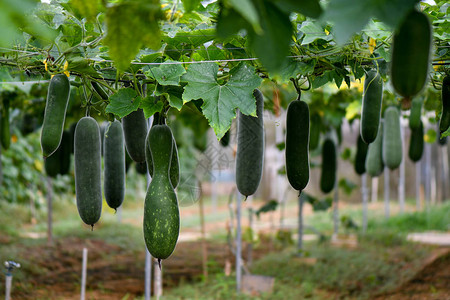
pixel 372 45
pixel 66 66
pixel 45 64
pixel 327 32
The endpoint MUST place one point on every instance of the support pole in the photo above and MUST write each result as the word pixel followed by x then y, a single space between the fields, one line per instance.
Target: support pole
pixel 418 184
pixel 386 192
pixel 300 224
pixel 427 175
pixel 401 181
pixel 238 243
pixel 203 233
pixel 444 172
pixel 365 201
pixel 49 211
pixel 336 209
pixel 8 286
pixel 250 225
pixel 148 274
pixel 119 214
pixel 158 279
pixel 374 196
pixel 83 274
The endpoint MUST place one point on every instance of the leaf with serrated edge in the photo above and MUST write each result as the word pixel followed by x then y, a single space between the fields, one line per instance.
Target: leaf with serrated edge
pixel 220 101
pixel 123 102
pixel 167 73
pixel 130 25
pixel 150 106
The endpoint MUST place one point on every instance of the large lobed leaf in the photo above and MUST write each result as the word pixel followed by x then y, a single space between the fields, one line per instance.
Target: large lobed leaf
pixel 221 100
pixel 131 25
pixel 124 102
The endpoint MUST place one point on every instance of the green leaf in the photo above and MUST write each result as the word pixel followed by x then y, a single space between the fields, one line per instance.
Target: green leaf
pixel 309 8
pixel 167 73
pixel 190 5
pixel 313 31
pixel 347 186
pixel 131 25
pixel 172 93
pixel 350 16
pixel 87 8
pixel 150 105
pixel 272 46
pixel 124 102
pixel 248 11
pixel 81 65
pixel 221 100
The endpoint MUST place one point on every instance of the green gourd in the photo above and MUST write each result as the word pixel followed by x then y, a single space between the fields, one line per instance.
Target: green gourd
pixel 161 214
pixel 250 149
pixel 392 139
pixel 114 165
pixel 99 90
pixel 329 166
pixel 314 131
pixel 5 134
pixel 65 152
pixel 411 54
pixel 444 122
pixel 374 159
pixel 416 143
pixel 59 161
pixel 174 164
pixel 135 131
pixel 297 144
pixel 415 113
pixel 361 154
pixel 55 113
pixel 371 106
pixel 88 170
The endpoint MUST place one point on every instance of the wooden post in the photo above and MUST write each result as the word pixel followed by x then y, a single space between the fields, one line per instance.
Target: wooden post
pixel 418 184
pixel 84 274
pixel 203 233
pixel 364 202
pixel 427 174
pixel 300 225
pixel 158 279
pixel 336 209
pixel 49 211
pixel 401 183
pixel 386 192
pixel 148 275
pixel 374 196
pixel 238 243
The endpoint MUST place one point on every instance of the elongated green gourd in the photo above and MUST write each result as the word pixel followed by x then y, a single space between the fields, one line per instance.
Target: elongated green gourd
pixel 361 154
pixel 65 152
pixel 88 170
pixel 374 159
pixel 5 134
pixel 392 139
pixel 297 144
pixel 329 166
pixel 114 165
pixel 250 149
pixel 59 161
pixel 415 113
pixel 411 54
pixel 135 131
pixel 416 143
pixel 314 132
pixel 371 106
pixel 174 164
pixel 161 214
pixel 55 113
pixel 99 90
pixel 444 122
pixel 52 164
